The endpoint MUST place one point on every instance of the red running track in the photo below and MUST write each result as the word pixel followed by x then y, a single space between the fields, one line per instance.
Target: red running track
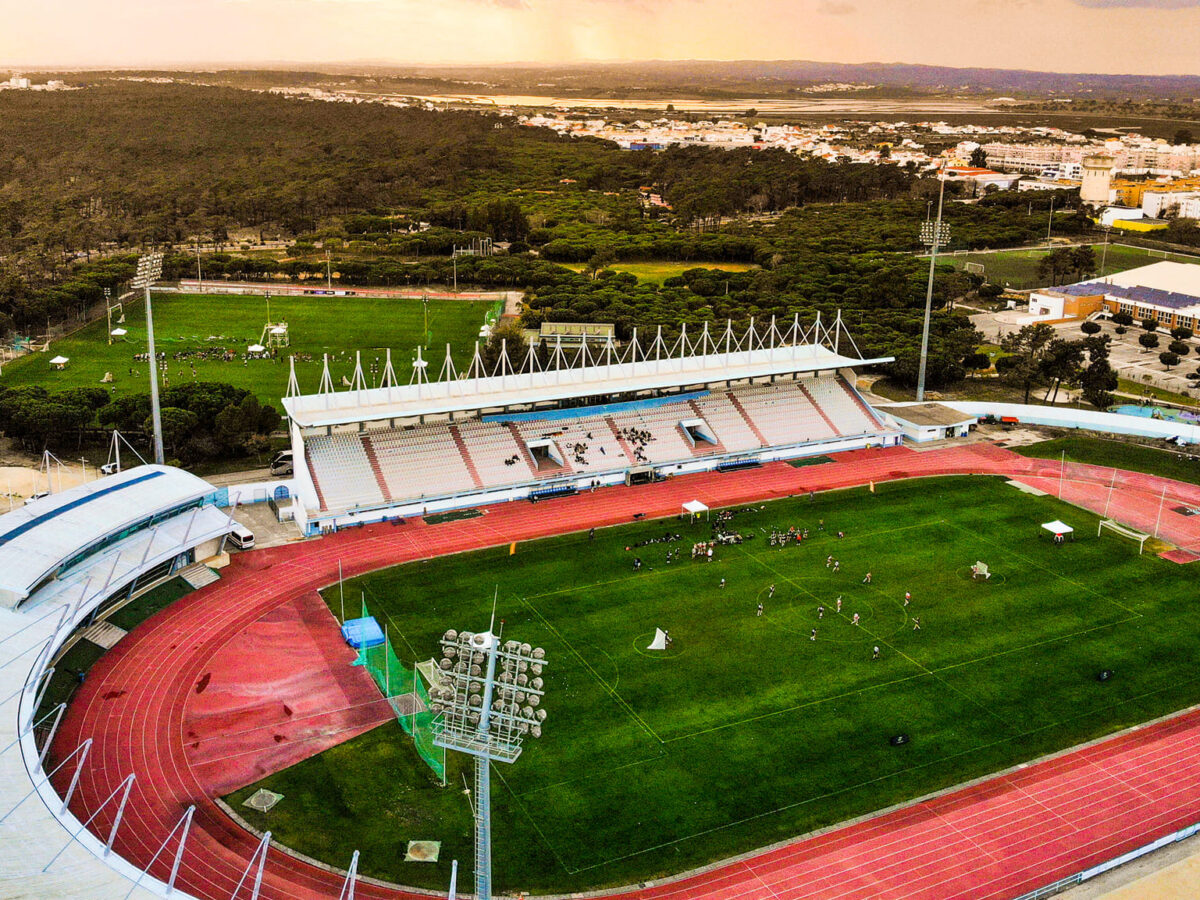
pixel 283 690
pixel 992 840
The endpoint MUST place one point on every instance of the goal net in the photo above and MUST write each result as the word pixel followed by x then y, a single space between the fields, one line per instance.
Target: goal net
pixel 974 268
pixel 1121 531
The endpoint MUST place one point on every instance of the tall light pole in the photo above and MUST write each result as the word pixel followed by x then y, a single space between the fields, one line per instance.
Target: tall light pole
pixel 1104 255
pixel 933 234
pixel 487 714
pixel 149 270
pixel 1050 224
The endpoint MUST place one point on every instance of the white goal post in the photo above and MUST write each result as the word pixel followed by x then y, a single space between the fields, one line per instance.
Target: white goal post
pixel 974 268
pixel 1124 532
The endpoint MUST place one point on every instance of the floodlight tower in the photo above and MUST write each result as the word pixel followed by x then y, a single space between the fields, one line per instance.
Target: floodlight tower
pixel 933 235
pixel 487 714
pixel 149 270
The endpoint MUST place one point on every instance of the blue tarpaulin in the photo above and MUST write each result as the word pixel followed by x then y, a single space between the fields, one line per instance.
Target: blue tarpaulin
pixel 363 632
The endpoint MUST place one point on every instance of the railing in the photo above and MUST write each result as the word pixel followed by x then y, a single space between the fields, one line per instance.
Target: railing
pixel 1079 877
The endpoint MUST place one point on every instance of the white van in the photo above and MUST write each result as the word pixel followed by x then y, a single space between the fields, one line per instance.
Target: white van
pixel 241 537
pixel 282 463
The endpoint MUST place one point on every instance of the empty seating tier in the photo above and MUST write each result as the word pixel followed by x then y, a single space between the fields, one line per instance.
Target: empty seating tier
pixel 340 466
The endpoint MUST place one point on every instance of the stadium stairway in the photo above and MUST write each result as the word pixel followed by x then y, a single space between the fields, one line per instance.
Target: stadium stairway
pixel 871 415
pixel 625 448
pixel 198 575
pixel 376 468
pixel 317 487
pixel 819 408
pixel 737 404
pixel 520 441
pixel 466 455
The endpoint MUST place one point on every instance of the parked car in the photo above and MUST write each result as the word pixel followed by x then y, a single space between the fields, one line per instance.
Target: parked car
pixel 241 537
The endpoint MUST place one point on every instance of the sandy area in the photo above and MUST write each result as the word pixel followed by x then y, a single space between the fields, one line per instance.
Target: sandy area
pixel 19 482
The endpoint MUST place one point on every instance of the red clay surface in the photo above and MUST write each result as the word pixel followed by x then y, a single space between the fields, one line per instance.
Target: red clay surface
pixel 282 690
pixel 993 840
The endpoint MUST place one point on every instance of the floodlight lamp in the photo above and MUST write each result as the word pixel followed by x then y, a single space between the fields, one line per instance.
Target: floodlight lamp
pixel 935 233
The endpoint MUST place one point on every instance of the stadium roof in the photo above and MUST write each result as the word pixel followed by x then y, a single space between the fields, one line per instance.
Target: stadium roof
pixel 38 538
pixel 528 388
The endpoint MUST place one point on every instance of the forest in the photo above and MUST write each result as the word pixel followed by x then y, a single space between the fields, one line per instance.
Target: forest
pixel 388 192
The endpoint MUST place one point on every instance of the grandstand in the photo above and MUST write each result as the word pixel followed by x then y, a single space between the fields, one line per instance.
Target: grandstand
pixel 574 418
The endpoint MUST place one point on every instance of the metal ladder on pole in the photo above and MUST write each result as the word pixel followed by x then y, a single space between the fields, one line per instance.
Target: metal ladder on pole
pixel 483 828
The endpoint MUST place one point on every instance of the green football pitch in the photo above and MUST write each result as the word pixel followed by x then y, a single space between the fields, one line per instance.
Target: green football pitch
pixel 1018 268
pixel 190 323
pixel 746 731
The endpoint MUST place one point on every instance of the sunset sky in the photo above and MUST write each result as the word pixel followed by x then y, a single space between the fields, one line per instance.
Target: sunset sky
pixel 1141 36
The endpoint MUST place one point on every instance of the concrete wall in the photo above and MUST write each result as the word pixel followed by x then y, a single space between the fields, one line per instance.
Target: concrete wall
pixel 1083 419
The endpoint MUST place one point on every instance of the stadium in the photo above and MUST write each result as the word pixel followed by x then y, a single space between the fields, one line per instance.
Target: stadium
pixel 787 653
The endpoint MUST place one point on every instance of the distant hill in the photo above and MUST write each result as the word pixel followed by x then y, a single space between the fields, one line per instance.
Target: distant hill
pixel 690 78
pixel 768 78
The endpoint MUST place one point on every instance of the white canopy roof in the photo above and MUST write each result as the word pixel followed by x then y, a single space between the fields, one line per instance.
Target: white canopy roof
pixel 526 388
pixel 59 361
pixel 118 332
pixel 1057 527
pixel 695 507
pixel 256 348
pixel 38 538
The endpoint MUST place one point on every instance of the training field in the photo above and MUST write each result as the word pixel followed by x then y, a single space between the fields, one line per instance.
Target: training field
pixel 193 322
pixel 746 732
pixel 660 271
pixel 1018 268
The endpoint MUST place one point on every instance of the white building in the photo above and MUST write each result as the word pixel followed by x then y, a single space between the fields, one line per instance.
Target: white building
pixel 923 422
pixel 1160 204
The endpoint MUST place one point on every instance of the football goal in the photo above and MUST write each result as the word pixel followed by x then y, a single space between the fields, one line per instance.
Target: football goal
pixel 974 268
pixel 1121 531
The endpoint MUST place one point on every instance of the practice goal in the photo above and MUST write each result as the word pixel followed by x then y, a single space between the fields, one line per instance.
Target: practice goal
pixel 1122 531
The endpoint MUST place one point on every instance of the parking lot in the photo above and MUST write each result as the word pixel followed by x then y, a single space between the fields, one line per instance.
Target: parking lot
pixel 1129 358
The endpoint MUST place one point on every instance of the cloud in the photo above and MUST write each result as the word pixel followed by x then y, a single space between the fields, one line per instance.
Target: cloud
pixel 1140 4
pixel 836 8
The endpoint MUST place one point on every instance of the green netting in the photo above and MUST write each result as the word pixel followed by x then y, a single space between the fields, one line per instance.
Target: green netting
pixel 395 679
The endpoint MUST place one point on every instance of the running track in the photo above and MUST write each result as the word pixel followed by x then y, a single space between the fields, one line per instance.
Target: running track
pixel 995 839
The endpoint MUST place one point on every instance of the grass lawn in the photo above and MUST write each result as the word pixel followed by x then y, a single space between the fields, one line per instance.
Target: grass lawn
pixel 1104 452
pixel 139 610
pixel 1140 389
pixel 1018 268
pixel 747 732
pixel 658 272
pixel 68 670
pixel 190 322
